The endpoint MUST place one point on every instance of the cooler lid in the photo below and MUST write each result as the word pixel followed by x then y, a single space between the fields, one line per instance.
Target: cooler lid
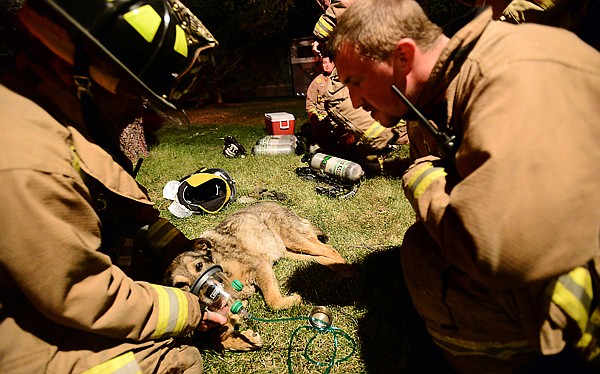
pixel 279 116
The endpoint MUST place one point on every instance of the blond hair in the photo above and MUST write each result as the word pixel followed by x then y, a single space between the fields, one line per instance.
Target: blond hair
pixel 374 27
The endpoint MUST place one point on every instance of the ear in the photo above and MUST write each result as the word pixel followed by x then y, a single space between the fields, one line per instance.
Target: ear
pixel 201 244
pixel 404 56
pixel 203 247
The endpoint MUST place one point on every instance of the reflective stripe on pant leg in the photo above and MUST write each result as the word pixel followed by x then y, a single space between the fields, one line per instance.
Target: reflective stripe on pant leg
pixel 573 294
pixel 499 350
pixel 123 364
pixel 588 344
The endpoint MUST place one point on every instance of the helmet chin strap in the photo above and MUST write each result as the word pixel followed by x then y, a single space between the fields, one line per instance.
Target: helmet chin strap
pixel 92 117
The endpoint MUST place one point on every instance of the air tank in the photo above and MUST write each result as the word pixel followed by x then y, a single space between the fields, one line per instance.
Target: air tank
pixel 272 149
pixel 336 167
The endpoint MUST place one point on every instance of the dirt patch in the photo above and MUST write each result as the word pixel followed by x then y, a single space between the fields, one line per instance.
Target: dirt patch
pixel 245 114
pixel 227 113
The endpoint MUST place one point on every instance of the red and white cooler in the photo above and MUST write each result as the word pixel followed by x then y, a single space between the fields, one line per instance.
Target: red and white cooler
pixel 280 123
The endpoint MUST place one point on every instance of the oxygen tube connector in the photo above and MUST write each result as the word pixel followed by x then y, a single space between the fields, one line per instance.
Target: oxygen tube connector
pixel 214 290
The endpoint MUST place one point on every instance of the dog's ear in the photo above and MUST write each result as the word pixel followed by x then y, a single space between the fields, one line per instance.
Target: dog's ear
pixel 203 246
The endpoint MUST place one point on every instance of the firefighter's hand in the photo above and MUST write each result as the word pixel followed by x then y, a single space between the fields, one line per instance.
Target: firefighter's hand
pixel 316 48
pixel 211 320
pixel 520 11
pixel 314 118
pixel 417 179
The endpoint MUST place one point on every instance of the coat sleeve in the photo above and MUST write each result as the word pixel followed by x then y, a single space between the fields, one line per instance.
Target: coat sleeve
pixel 50 252
pixel 327 21
pixel 526 206
pixel 311 100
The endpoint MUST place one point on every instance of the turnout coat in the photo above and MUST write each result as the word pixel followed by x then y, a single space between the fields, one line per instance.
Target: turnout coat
pixel 69 214
pixel 502 261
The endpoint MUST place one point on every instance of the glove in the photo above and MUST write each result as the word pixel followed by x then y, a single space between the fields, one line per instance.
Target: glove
pixel 420 176
pixel 519 11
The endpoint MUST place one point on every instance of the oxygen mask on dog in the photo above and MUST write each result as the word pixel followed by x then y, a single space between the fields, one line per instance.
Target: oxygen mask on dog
pixel 218 293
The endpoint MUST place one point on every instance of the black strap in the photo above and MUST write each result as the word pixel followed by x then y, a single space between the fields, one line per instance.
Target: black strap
pixel 89 110
pixel 335 188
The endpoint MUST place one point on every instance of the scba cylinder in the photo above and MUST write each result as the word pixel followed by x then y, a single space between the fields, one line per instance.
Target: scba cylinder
pixel 272 149
pixel 287 140
pixel 336 167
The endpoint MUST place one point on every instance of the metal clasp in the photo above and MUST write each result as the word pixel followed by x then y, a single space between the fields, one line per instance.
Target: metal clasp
pixel 84 85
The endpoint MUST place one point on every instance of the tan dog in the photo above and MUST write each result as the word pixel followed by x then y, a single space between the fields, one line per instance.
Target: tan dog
pixel 247 244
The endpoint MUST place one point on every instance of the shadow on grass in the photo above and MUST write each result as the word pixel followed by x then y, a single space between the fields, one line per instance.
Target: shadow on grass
pixel 393 336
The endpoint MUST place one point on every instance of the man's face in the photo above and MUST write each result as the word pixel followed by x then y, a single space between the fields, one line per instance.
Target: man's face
pixel 369 83
pixel 327 65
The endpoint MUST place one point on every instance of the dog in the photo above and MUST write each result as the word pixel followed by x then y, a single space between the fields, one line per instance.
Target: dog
pixel 246 245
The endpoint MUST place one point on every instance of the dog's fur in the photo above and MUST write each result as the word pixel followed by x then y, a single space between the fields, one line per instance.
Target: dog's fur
pixel 246 245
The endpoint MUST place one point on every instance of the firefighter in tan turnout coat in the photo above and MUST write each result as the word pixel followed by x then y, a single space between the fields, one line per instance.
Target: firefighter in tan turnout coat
pixel 71 210
pixel 372 138
pixel 503 261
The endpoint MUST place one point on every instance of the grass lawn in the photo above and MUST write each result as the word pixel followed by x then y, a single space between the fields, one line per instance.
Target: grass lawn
pixel 374 309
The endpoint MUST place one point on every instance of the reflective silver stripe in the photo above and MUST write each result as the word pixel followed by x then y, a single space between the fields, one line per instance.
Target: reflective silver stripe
pixel 372 132
pixel 572 292
pixel 420 184
pixel 324 27
pixel 172 311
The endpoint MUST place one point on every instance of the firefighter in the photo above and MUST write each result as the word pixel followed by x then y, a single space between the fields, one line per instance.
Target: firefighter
pixel 320 131
pixel 371 141
pixel 579 16
pixel 502 263
pixel 315 103
pixel 82 249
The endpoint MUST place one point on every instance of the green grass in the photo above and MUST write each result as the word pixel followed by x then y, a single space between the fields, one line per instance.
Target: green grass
pixel 367 229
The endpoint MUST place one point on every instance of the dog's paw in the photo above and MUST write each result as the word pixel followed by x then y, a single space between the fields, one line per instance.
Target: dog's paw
pixel 287 302
pixel 242 341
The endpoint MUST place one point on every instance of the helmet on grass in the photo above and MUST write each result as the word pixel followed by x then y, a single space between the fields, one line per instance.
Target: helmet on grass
pixel 204 191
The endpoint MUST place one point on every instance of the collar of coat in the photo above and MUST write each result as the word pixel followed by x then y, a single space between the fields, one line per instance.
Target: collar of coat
pixel 452 57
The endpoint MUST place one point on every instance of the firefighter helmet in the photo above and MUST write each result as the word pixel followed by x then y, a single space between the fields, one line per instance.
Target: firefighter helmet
pixel 204 191
pixel 155 42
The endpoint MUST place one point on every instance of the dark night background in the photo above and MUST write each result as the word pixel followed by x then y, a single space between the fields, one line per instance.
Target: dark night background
pixel 258 43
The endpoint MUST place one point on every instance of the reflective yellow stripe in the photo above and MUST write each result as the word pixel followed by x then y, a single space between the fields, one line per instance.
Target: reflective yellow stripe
pixel 313 111
pixel 145 20
pixel 372 132
pixel 545 4
pixel 76 161
pixel 123 364
pixel 423 178
pixel 591 336
pixel 573 294
pixel 460 347
pixel 324 27
pixel 180 41
pixel 401 123
pixel 172 311
pixel 420 170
